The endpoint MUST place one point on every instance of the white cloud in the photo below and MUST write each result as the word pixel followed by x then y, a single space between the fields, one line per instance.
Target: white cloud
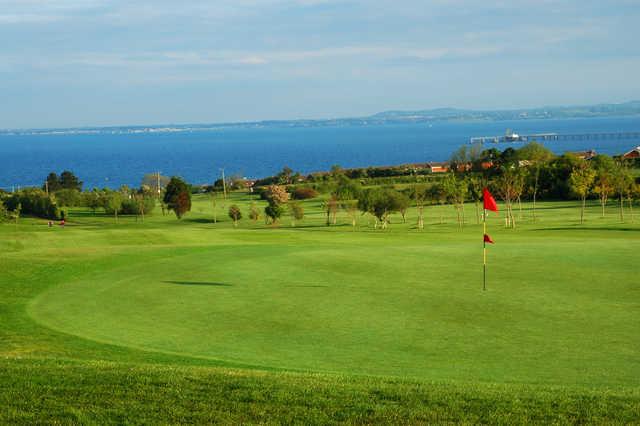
pixel 27 18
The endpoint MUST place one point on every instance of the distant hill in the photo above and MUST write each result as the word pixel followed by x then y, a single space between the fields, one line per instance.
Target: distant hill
pixel 448 114
pixel 386 117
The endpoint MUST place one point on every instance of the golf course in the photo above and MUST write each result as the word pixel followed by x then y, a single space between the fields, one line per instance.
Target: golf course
pixel 191 320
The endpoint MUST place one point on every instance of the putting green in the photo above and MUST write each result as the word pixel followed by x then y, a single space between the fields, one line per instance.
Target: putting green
pixel 559 309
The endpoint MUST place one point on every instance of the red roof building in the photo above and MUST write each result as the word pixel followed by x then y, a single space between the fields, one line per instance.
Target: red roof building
pixel 634 153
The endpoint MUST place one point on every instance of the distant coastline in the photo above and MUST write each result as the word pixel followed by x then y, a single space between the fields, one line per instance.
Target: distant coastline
pixel 625 109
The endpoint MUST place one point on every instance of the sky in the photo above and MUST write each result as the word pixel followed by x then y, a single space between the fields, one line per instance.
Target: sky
pixel 113 62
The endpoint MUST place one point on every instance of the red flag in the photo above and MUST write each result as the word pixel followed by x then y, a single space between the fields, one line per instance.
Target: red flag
pixel 489 201
pixel 487 239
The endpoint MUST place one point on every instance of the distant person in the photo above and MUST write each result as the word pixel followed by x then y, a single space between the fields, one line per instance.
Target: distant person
pixel 50 223
pixel 62 222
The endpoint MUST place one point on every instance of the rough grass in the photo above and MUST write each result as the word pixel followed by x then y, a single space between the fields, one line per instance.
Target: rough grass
pixel 172 321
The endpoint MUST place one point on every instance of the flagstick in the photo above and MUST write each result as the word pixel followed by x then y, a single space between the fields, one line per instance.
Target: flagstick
pixel 484 250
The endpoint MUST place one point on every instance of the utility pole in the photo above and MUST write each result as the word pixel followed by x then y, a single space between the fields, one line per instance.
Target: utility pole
pixel 46 187
pixel 158 182
pixel 224 186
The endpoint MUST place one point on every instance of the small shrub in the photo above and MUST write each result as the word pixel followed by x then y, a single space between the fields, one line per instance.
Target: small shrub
pixel 235 214
pixel 304 193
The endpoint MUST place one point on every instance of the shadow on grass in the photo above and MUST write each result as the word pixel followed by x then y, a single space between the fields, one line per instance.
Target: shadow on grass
pixel 199 220
pixel 205 283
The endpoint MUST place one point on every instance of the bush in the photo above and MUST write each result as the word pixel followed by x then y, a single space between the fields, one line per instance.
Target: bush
pixel 132 205
pixel 277 194
pixel 235 214
pixel 34 202
pixel 4 214
pixel 304 193
pixel 68 198
pixel 274 212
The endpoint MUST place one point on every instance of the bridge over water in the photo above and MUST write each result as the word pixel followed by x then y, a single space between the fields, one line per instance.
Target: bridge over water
pixel 546 137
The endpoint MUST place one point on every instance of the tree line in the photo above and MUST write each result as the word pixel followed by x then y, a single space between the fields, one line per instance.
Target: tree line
pixel 530 173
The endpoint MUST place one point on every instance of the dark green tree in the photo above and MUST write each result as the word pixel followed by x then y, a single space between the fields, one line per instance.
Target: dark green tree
pixel 53 183
pixel 274 211
pixel 177 197
pixel 69 181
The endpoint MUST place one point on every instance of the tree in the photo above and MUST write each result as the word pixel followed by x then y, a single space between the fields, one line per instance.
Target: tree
pixel 351 207
pixel 508 158
pixel 633 193
pixel 331 209
pixel 346 189
pixel 284 177
pixel 296 211
pixel 536 155
pixel 277 194
pixel 156 182
pixel 554 176
pixel 475 187
pixel 254 213
pixel 214 203
pixel 402 202
pixel 274 212
pixel 144 203
pixel 456 190
pixel 622 182
pixel 604 167
pixel 465 157
pixel 33 202
pixel 235 214
pixel 581 181
pixel 177 197
pixel 437 194
pixel 304 193
pixel 509 185
pixel 113 203
pixel 4 214
pixel 67 197
pixel 69 181
pixel 381 203
pixel 15 213
pixel 419 194
pixel 53 183
pixel 93 200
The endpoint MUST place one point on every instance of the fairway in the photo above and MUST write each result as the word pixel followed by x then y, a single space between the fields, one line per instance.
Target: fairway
pixel 562 307
pixel 196 321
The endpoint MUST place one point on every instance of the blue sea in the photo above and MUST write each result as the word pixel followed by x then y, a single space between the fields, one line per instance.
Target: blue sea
pixel 115 159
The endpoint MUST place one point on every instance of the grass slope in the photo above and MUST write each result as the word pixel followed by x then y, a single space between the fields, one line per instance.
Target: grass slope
pixel 192 321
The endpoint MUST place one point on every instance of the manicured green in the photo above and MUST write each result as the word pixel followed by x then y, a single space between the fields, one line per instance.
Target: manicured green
pixel 189 320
